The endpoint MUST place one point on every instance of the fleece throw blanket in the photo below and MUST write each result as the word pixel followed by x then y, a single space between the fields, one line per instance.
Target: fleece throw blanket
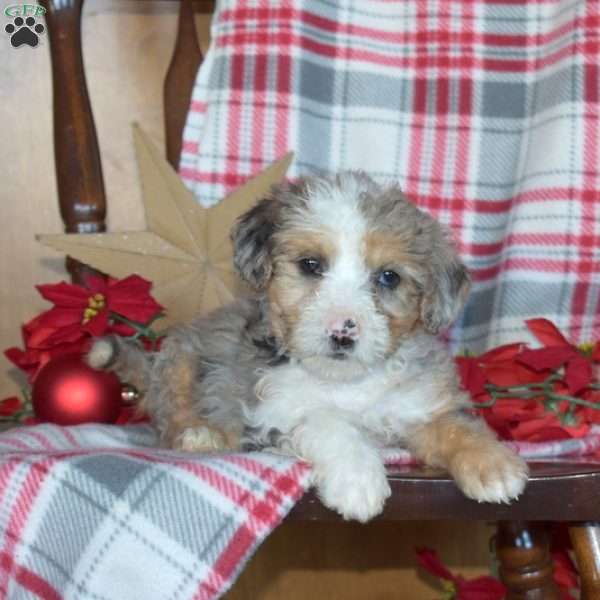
pixel 486 111
pixel 97 512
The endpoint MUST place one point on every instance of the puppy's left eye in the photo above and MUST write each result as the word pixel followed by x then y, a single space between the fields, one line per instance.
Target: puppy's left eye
pixel 311 266
pixel 388 279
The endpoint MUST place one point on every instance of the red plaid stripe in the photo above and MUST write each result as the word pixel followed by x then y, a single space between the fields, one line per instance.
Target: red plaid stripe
pixel 486 112
pixel 52 472
pixel 48 471
pixel 22 504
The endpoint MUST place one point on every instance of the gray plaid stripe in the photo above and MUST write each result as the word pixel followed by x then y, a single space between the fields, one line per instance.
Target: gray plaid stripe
pixel 524 134
pixel 194 522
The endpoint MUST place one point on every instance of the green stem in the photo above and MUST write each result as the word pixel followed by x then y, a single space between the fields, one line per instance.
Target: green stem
pixel 18 416
pixel 539 385
pixel 523 396
pixel 487 404
pixel 141 330
pixel 574 400
pixel 529 391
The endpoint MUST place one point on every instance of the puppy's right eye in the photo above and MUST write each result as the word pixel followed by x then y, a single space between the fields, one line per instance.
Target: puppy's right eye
pixel 310 266
pixel 388 279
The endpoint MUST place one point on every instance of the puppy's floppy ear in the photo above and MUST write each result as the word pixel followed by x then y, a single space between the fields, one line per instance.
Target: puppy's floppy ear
pixel 447 287
pixel 251 236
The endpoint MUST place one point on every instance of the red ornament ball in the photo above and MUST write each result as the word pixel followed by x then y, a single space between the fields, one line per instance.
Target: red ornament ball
pixel 68 392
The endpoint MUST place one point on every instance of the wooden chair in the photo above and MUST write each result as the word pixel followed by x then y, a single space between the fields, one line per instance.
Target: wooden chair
pixel 556 491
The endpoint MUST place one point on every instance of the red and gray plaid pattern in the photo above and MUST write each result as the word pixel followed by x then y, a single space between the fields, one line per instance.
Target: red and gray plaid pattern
pixel 97 512
pixel 94 512
pixel 486 111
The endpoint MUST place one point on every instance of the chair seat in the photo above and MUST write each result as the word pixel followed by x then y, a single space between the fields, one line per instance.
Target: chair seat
pixel 556 491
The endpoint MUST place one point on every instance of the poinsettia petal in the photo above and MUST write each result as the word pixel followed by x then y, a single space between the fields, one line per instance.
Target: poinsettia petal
pixel 31 325
pixel 27 361
pixel 39 338
pixel 64 335
pixel 549 357
pixel 97 325
pixel 60 317
pixel 139 309
pixel 546 332
pixel 577 431
pixel 94 284
pixel 64 294
pixel 512 410
pixel 15 355
pixel 565 572
pixel 497 424
pixel 512 372
pixel 471 374
pixel 80 346
pixel 596 352
pixel 130 297
pixel 481 588
pixel 503 373
pixel 588 414
pixel 501 353
pixel 120 329
pixel 539 428
pixel 548 428
pixel 32 355
pixel 578 374
pixel 430 561
pixel 141 313
pixel 9 406
pixel 134 286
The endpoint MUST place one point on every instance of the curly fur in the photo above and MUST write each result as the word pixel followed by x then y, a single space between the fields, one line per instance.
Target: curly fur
pixel 333 364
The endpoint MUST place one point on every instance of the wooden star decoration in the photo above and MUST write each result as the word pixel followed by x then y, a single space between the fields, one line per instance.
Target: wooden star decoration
pixel 185 250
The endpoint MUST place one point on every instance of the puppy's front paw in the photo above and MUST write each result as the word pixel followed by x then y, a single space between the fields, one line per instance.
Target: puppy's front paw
pixel 490 474
pixel 353 490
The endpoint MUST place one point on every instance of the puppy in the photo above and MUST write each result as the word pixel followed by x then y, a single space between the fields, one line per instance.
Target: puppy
pixel 335 355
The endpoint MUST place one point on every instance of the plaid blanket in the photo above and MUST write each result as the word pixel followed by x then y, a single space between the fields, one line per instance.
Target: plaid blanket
pixel 97 512
pixel 487 112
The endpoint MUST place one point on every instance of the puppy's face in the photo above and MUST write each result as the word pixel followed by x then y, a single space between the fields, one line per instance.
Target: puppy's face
pixel 349 270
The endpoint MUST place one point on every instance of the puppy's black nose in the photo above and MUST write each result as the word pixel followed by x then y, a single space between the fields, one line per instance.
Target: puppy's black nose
pixel 343 333
pixel 341 342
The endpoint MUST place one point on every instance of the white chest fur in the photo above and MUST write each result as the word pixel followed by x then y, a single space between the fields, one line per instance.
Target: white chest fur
pixel 386 400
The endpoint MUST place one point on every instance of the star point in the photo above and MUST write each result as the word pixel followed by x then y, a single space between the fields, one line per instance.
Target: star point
pixel 192 271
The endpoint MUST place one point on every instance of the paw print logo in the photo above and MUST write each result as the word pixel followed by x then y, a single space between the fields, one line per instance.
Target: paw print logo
pixel 24 31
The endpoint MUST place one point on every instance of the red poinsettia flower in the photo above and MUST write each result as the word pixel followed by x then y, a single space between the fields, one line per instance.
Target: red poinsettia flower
pixel 37 353
pixel 476 371
pixel 557 352
pixel 10 406
pixel 79 313
pixel 591 415
pixel 530 394
pixel 565 574
pixel 480 588
pixel 547 428
pixel 81 310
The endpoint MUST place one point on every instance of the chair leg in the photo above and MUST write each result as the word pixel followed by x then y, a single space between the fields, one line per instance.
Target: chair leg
pixel 523 551
pixel 586 544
